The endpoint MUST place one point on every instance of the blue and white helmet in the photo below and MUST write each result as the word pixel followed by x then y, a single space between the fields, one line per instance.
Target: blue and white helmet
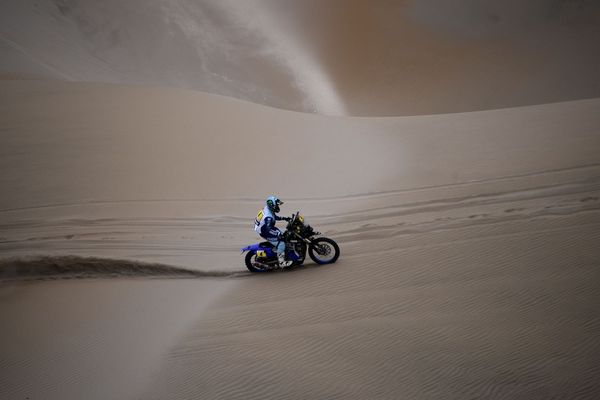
pixel 273 203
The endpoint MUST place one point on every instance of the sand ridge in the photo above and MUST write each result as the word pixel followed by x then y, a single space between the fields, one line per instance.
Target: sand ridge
pixel 328 57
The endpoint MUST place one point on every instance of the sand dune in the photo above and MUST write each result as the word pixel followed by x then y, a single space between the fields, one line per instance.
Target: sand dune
pixel 469 249
pixel 327 56
pixel 481 296
pixel 468 221
pixel 122 182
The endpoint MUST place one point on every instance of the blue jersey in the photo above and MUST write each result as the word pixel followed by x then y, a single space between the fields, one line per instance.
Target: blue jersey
pixel 264 224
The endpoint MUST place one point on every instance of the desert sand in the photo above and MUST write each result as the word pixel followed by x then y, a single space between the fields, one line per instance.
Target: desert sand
pixel 334 57
pixel 469 229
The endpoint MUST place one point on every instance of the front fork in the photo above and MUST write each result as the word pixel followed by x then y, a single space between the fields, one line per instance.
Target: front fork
pixel 293 246
pixel 308 242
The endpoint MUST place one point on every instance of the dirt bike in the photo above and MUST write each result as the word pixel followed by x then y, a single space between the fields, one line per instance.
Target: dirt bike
pixel 299 238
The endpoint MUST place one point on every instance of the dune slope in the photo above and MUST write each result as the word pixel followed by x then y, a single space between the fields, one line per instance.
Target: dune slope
pixel 137 172
pixel 469 247
pixel 330 57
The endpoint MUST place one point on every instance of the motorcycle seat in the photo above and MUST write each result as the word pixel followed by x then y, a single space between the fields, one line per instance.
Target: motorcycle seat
pixel 266 244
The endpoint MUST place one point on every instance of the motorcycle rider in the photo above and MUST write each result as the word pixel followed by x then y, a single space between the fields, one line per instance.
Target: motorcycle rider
pixel 264 225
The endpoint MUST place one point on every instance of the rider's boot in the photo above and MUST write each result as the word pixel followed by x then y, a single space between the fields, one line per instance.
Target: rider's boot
pixel 282 262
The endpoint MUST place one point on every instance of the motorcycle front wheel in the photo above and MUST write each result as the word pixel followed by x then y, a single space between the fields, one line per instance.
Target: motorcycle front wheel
pixel 324 251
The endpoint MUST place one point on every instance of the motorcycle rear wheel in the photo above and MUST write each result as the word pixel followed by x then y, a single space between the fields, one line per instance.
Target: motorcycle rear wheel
pixel 324 251
pixel 250 260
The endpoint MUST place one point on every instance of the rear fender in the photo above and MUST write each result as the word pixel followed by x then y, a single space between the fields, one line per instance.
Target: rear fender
pixel 254 247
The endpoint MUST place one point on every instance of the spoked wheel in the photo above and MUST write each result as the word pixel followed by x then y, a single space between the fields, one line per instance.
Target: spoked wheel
pixel 324 251
pixel 252 264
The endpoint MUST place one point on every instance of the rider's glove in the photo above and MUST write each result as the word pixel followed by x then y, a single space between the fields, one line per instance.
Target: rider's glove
pixel 288 219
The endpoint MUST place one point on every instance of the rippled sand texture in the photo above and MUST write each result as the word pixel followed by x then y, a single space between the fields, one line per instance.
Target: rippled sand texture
pixel 340 57
pixel 500 310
